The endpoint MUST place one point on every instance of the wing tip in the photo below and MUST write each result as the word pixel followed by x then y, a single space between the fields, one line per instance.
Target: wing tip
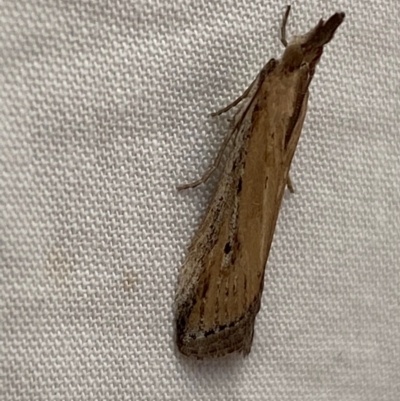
pixel 218 342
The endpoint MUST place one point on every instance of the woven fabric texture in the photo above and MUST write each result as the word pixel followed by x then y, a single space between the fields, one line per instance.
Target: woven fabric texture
pixel 104 110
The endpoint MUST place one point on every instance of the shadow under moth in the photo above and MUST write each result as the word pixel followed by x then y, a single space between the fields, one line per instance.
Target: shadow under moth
pixel 221 281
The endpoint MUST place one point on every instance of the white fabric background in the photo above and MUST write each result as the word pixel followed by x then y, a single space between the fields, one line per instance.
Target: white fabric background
pixel 104 109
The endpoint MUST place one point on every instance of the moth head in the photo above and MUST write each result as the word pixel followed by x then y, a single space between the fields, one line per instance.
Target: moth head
pixel 308 48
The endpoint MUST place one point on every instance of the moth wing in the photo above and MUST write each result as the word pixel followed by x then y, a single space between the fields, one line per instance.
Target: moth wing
pixel 221 282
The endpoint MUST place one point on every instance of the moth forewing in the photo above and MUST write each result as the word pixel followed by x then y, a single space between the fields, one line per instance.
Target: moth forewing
pixel 221 281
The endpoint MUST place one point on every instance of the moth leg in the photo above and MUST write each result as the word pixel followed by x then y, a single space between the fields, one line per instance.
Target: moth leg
pixel 283 26
pixel 235 123
pixel 213 167
pixel 290 185
pixel 235 102
pixel 252 89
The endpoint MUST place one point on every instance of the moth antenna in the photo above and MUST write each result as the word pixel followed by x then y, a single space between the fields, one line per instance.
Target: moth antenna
pixel 283 26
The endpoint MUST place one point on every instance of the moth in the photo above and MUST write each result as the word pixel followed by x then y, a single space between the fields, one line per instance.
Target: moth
pixel 222 278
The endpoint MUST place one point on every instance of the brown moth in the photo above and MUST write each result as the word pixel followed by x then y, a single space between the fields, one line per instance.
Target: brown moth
pixel 221 281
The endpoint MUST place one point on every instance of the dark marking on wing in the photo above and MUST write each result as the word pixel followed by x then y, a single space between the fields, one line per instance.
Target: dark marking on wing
pixel 209 333
pixel 227 248
pixel 239 187
pixel 206 284
pixel 182 319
